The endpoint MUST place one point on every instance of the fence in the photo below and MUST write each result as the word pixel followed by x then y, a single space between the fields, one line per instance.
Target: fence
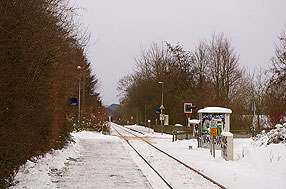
pixel 242 133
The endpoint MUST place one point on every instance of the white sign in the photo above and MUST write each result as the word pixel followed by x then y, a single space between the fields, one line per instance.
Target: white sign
pixel 166 121
pixel 162 117
pixel 214 122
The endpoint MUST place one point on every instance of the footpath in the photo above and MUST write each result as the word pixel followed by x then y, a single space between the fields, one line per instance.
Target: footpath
pixel 93 161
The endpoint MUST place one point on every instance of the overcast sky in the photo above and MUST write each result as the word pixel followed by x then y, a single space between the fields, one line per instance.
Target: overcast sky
pixel 119 29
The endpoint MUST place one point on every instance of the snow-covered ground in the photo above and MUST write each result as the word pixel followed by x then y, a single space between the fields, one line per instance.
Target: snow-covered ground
pixel 93 161
pixel 255 165
pixel 99 161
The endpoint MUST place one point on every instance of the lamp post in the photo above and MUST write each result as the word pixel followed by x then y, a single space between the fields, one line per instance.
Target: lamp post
pixel 79 68
pixel 162 106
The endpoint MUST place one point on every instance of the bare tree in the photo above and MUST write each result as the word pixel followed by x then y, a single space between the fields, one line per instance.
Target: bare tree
pixel 201 63
pixel 209 76
pixel 260 83
pixel 224 68
pixel 276 92
pixel 279 61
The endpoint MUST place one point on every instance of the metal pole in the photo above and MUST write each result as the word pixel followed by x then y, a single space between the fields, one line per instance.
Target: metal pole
pixel 83 94
pixel 79 99
pixel 162 102
pixel 161 122
pixel 162 93
pixel 213 146
pixel 199 138
pixel 145 115
pixel 79 94
pixel 254 124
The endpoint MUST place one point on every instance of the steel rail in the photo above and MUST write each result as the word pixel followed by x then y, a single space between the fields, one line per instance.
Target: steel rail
pixel 206 177
pixel 143 157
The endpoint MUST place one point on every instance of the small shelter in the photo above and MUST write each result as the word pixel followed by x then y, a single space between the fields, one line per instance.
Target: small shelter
pixel 216 119
pixel 222 115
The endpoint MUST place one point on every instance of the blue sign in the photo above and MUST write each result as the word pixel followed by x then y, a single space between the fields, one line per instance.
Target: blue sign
pixel 158 111
pixel 73 101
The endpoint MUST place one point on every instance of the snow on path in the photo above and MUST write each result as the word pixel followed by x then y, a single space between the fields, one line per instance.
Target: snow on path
pixel 97 161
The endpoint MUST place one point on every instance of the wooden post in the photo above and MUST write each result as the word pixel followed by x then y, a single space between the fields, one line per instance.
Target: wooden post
pixel 213 143
pixel 176 135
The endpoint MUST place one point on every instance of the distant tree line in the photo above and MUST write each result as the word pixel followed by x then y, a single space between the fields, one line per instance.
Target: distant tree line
pixel 41 47
pixel 211 75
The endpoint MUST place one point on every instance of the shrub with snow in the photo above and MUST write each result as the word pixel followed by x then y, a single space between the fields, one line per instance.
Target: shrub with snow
pixel 275 136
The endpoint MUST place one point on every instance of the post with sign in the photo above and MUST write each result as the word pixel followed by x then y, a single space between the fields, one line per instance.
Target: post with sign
pixel 253 108
pixel 162 107
pixel 213 134
pixel 188 109
pixel 149 123
pixel 162 118
pixel 73 101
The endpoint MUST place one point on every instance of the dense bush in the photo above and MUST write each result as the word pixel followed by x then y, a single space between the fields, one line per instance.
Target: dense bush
pixel 40 50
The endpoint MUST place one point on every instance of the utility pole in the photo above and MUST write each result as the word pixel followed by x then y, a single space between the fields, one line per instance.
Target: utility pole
pixel 79 68
pixel 83 93
pixel 145 114
pixel 162 107
pixel 254 118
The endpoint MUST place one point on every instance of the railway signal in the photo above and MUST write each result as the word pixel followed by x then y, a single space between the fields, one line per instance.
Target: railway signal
pixel 188 109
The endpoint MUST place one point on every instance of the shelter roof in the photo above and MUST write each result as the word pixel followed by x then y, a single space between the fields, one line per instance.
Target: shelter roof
pixel 218 110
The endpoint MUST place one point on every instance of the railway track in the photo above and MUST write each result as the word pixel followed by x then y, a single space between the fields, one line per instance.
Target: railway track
pixel 188 176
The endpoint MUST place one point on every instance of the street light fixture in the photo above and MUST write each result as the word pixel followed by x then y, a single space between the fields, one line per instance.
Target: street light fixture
pixel 79 68
pixel 162 106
